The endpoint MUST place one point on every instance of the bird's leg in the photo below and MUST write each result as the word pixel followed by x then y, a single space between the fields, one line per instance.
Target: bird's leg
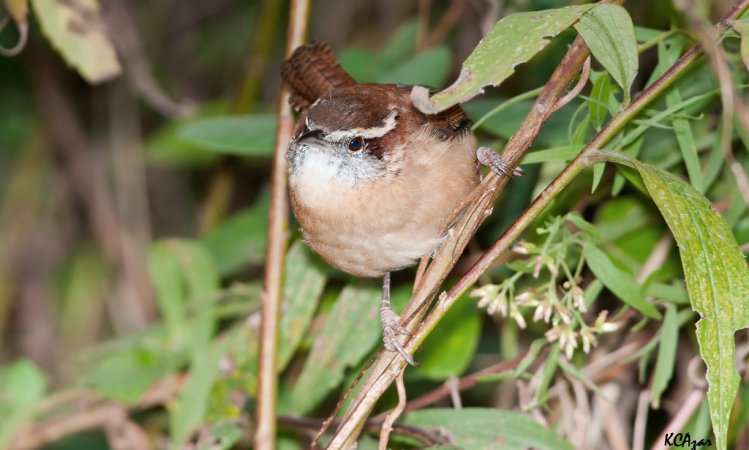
pixel 390 321
pixel 494 161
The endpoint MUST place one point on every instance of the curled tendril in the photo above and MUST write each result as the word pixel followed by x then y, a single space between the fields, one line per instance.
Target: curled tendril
pixel 23 31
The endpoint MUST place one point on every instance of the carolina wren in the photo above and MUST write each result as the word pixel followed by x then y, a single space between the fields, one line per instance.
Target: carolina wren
pixel 372 179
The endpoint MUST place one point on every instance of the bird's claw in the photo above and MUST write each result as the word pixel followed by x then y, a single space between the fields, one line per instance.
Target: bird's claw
pixel 391 329
pixel 494 161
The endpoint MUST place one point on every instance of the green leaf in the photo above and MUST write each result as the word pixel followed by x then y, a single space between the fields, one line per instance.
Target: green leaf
pixel 184 275
pixel 303 285
pixel 672 293
pixel 363 65
pixel 450 348
pixel 126 375
pixel 682 127
pixel 164 147
pixel 253 135
pixel 22 386
pixel 402 42
pixel 224 436
pixel 608 31
pixel 240 240
pixel 550 367
pixel 487 428
pixel 664 365
pixel 717 280
pixel 513 40
pixel 84 284
pixel 351 330
pixel 503 116
pixel 742 27
pixel 598 171
pixel 563 153
pixel 599 98
pixel 74 28
pixel 632 149
pixel 533 351
pixel 621 283
pixel 188 410
pixel 429 68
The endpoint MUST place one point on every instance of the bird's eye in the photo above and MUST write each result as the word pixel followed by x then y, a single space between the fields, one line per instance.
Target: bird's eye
pixel 355 144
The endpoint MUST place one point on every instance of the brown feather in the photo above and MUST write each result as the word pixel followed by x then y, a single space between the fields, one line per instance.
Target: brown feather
pixel 450 123
pixel 311 72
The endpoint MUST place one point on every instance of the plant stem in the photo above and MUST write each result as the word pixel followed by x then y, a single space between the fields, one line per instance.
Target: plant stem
pixel 267 387
pixel 588 155
pixel 389 365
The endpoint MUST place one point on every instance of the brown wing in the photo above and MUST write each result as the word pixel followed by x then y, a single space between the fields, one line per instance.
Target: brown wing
pixel 311 72
pixel 450 123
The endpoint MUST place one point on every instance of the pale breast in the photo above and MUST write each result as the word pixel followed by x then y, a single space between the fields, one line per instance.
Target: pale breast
pixel 388 223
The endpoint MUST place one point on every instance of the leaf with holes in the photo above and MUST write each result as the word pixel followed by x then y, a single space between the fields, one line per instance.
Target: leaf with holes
pixel 514 40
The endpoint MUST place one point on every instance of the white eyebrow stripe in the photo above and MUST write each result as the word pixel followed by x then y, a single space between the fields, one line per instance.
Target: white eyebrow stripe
pixel 367 133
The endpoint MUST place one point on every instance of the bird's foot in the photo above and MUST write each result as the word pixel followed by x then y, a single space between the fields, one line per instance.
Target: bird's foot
pixel 391 329
pixel 391 326
pixel 494 161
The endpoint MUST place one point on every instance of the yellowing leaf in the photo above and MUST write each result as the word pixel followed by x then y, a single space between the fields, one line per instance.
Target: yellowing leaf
pixel 75 29
pixel 717 279
pixel 18 10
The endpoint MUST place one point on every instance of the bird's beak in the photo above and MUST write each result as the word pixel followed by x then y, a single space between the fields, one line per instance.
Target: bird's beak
pixel 309 137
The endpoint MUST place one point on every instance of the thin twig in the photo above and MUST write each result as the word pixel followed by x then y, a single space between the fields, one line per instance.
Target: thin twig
pixel 263 40
pixel 584 75
pixel 58 112
pixel 387 425
pixel 422 38
pixel 464 383
pixel 124 35
pixel 732 102
pixel 657 257
pixel 447 22
pixel 267 387
pixel 612 421
pixel 109 415
pixel 641 420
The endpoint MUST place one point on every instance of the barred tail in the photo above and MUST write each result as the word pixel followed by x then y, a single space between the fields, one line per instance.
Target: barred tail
pixel 311 72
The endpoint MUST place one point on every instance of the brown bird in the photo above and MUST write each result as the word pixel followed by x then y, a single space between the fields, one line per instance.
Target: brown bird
pixel 372 179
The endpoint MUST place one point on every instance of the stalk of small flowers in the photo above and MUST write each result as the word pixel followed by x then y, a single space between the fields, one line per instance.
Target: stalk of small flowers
pixel 553 273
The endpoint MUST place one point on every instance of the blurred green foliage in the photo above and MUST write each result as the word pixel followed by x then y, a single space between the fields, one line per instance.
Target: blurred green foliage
pixel 190 201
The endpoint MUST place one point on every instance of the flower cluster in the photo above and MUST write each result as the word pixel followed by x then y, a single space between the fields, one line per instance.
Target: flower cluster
pixel 552 271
